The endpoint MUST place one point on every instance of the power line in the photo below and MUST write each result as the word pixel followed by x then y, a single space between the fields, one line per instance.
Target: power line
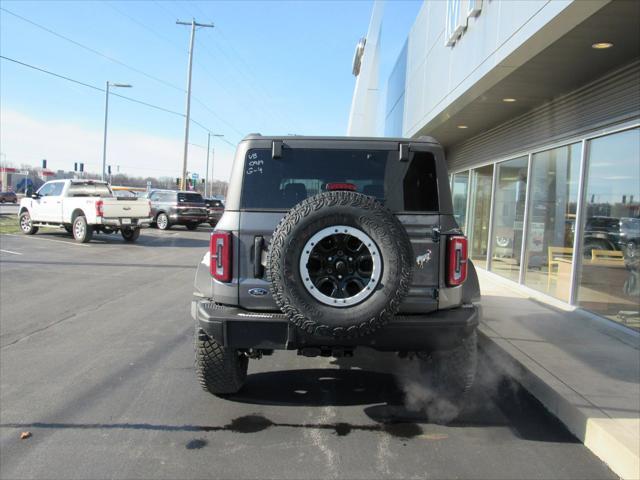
pixel 134 69
pixel 242 77
pixel 94 51
pixel 144 26
pixel 209 130
pixel 203 105
pixel 99 89
pixel 52 74
pixel 93 87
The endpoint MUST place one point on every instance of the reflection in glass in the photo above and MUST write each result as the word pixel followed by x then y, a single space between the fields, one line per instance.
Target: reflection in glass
pixel 551 224
pixel 609 275
pixel 508 214
pixel 481 180
pixel 459 192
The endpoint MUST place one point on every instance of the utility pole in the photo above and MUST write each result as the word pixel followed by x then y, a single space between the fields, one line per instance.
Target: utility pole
pixel 193 24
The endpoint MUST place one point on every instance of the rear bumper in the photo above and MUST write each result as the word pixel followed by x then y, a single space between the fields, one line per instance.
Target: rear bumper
pixel 117 222
pixel 181 218
pixel 239 328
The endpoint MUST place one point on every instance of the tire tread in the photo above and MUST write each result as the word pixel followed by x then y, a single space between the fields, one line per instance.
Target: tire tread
pixel 220 370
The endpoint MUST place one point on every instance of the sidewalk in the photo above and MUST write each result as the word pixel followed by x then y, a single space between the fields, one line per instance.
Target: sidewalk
pixel 586 372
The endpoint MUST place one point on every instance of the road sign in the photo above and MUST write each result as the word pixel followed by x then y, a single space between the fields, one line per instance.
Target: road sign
pixel 194 176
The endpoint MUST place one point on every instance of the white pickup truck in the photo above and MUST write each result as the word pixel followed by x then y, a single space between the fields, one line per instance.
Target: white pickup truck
pixel 83 207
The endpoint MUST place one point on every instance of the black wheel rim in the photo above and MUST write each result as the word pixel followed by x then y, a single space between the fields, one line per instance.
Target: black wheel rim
pixel 340 266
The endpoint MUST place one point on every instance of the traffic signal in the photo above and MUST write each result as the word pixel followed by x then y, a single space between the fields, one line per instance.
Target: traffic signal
pixel 109 169
pixel 82 167
pixel 202 181
pixel 44 163
pixel 75 167
pixel 177 181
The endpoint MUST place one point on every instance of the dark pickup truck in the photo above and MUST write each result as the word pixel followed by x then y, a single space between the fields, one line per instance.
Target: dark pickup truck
pixel 330 244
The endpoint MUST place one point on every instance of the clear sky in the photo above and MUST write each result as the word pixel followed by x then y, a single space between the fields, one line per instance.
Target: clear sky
pixel 267 66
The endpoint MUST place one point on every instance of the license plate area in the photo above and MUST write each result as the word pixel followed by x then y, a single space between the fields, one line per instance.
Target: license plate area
pixel 125 221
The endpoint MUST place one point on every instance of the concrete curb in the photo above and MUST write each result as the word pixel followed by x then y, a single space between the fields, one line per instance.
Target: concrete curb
pixel 606 437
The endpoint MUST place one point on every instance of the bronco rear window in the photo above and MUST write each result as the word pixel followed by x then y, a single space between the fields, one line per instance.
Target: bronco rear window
pixel 277 184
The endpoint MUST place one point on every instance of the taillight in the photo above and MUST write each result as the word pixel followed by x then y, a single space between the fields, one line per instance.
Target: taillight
pixel 341 186
pixel 221 253
pixel 99 208
pixel 456 260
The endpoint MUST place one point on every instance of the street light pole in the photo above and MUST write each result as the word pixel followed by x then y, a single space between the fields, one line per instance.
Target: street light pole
pixel 106 116
pixel 213 151
pixel 193 24
pixel 206 176
pixel 104 139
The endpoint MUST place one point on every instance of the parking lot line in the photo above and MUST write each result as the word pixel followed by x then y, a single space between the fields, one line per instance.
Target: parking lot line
pixel 9 251
pixel 48 240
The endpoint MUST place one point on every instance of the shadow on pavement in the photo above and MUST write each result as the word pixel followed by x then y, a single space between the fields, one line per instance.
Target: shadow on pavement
pixel 319 387
pixel 151 240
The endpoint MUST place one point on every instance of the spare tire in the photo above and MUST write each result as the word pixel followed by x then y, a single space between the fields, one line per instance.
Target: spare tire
pixel 339 264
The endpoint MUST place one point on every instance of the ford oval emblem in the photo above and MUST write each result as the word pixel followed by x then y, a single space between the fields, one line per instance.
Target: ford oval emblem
pixel 258 292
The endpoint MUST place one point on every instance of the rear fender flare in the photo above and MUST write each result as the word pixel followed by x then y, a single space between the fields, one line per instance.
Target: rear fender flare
pixel 471 286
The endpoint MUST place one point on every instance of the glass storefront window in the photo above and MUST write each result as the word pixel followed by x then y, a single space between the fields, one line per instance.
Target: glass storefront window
pixel 459 191
pixel 551 222
pixel 509 202
pixel 478 232
pixel 609 281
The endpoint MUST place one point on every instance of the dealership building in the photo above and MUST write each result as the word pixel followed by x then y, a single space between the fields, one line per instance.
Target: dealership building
pixel 537 104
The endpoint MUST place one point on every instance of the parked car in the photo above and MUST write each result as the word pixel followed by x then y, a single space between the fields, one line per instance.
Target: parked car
pixel 8 197
pixel 170 207
pixel 215 208
pixel 82 208
pixel 356 241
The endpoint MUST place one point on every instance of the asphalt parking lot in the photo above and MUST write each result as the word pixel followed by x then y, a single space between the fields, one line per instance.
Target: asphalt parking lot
pixel 96 362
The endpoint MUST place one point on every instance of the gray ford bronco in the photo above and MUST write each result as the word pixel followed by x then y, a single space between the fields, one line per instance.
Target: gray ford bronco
pixel 328 244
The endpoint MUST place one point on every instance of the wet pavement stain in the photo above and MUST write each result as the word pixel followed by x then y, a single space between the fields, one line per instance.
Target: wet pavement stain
pixel 249 424
pixel 244 424
pixel 402 430
pixel 196 444
pixel 343 429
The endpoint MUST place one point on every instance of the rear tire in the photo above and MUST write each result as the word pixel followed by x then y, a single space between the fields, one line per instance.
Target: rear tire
pixel 162 222
pixel 130 235
pixel 26 225
pixel 191 226
pixel 220 370
pixel 82 232
pixel 449 376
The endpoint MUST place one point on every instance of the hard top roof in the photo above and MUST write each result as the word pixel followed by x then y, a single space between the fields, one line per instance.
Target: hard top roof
pixel 422 139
